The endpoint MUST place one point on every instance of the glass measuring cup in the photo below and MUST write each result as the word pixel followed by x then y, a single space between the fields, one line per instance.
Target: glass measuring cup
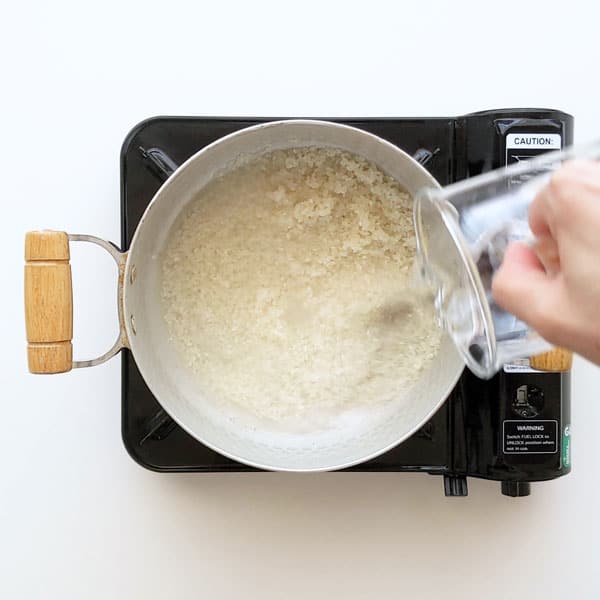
pixel 462 233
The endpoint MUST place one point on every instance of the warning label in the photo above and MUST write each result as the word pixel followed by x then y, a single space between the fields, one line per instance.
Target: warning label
pixel 523 146
pixel 530 437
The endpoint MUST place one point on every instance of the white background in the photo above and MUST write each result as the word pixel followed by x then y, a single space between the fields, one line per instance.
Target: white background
pixel 78 518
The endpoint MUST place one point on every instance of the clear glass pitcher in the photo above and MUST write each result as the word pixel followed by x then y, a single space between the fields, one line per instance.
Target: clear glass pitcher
pixel 462 233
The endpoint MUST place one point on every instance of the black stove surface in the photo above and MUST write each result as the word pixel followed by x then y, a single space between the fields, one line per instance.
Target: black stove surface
pixel 465 436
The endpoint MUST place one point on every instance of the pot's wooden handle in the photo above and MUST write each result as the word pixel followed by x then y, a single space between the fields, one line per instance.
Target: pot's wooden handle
pixel 48 302
pixel 557 359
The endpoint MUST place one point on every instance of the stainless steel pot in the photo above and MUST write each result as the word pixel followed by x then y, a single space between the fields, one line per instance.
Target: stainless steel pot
pixel 143 330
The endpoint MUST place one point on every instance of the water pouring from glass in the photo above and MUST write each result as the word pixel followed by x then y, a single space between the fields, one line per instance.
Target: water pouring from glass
pixel 463 232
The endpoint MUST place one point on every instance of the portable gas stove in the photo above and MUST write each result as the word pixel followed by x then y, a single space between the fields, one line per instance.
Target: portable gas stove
pixel 514 428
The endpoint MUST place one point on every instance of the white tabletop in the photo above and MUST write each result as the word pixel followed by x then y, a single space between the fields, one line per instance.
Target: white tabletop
pixel 78 518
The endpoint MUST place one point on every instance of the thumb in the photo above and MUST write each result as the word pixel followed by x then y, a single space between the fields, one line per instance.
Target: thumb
pixel 521 282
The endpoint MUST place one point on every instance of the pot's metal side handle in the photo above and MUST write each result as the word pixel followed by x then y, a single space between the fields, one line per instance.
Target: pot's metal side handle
pixel 49 301
pixel 120 259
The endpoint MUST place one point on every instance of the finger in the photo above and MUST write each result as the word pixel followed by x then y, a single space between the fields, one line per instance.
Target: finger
pixel 546 249
pixel 540 213
pixel 585 170
pixel 554 207
pixel 521 282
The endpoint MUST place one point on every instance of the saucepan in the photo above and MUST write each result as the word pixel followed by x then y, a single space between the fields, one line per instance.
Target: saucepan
pixel 49 308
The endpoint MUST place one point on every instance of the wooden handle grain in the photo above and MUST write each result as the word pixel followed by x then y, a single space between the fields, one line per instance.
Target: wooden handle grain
pixel 48 302
pixel 557 359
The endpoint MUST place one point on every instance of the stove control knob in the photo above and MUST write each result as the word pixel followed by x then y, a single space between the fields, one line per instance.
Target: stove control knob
pixel 516 489
pixel 455 485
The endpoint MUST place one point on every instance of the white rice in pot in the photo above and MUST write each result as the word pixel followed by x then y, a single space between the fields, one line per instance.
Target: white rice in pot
pixel 285 287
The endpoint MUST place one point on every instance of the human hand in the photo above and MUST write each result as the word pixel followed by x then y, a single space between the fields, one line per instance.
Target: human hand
pixel 555 286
